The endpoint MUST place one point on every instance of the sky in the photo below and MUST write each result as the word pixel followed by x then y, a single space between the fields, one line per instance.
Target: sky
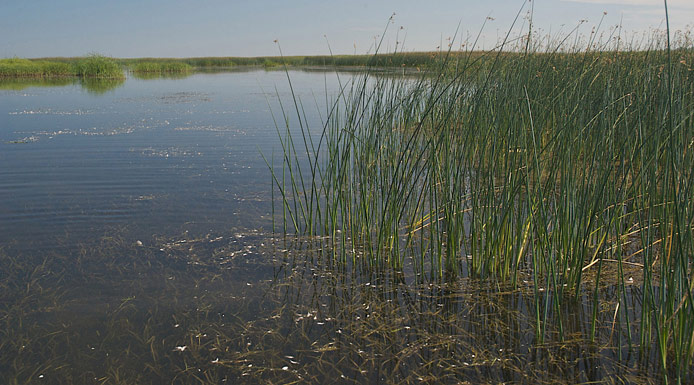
pixel 195 28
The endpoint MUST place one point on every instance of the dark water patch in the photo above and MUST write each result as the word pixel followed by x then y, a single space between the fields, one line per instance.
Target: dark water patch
pixel 249 307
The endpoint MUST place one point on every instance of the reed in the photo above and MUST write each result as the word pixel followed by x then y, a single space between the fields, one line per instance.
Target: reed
pixel 565 165
pixel 163 67
pixel 97 66
pixel 23 68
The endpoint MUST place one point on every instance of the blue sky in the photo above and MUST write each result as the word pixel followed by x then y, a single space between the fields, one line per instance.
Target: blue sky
pixel 177 28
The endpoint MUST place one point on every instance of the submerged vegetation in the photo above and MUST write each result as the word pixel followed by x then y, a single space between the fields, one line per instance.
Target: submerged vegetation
pixel 563 174
pixel 504 217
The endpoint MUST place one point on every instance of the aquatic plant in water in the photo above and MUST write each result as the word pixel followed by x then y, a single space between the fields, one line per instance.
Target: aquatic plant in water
pixel 564 172
pixel 97 66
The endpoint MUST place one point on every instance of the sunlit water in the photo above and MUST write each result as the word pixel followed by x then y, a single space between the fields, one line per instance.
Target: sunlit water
pixel 137 247
pixel 157 156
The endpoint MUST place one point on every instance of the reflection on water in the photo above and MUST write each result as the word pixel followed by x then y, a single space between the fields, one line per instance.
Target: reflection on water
pixel 18 84
pixel 100 86
pixel 92 85
pixel 75 162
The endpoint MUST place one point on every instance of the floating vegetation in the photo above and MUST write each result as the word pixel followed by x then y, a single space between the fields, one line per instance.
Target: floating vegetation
pixel 50 111
pixel 212 129
pixel 25 140
pixel 168 152
pixel 181 97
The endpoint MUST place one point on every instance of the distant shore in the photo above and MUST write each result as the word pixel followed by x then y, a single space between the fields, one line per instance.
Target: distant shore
pixel 52 67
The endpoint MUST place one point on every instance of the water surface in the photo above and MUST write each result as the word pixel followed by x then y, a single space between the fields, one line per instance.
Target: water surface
pixel 158 156
pixel 136 246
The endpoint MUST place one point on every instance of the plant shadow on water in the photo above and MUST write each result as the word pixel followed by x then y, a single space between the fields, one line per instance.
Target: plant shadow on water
pixel 95 86
pixel 100 86
pixel 18 84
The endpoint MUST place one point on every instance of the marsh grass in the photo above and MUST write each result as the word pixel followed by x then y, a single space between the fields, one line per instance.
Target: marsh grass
pixel 97 66
pixel 410 60
pixel 568 166
pixel 23 68
pixel 92 66
pixel 161 68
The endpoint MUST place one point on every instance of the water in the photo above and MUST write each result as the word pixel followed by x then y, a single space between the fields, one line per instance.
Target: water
pixel 136 246
pixel 157 156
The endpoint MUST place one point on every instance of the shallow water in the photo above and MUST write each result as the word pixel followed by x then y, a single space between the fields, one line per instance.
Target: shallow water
pixel 136 246
pixel 158 156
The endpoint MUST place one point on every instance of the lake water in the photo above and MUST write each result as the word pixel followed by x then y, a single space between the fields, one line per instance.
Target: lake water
pixel 136 246
pixel 158 156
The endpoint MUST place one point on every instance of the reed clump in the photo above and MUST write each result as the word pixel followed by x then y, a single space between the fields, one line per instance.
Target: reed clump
pixel 565 165
pixel 97 66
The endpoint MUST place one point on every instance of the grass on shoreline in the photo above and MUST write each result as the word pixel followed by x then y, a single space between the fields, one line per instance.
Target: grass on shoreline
pixel 160 67
pixel 104 67
pixel 24 68
pixel 92 66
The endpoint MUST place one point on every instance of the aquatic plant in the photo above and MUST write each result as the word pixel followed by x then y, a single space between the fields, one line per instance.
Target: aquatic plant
pixel 160 67
pixel 564 170
pixel 24 68
pixel 97 66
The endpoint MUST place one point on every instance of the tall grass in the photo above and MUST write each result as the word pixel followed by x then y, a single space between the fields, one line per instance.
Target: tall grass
pixel 92 66
pixel 564 170
pixel 97 66
pixel 23 68
pixel 164 67
pixel 398 60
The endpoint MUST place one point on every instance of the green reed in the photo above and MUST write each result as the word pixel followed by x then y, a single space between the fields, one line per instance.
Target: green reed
pixel 561 164
pixel 24 68
pixel 97 66
pixel 91 66
pixel 161 67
